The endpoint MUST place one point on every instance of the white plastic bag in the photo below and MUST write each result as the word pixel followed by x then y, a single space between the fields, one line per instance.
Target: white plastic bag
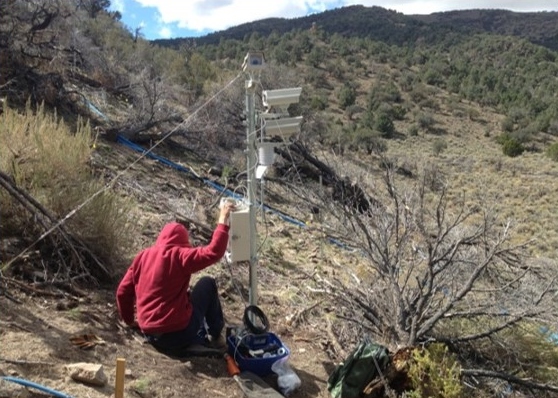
pixel 288 381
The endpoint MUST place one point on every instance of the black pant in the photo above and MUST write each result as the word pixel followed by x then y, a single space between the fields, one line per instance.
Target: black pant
pixel 206 308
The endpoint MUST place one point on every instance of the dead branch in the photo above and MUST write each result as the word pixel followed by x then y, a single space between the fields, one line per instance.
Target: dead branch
pixel 509 378
pixel 135 133
pixel 25 362
pixel 4 292
pixel 84 79
pixel 40 213
pixel 297 317
pixel 15 325
pixel 333 338
pixel 23 199
pixel 487 333
pixel 347 193
pixel 202 229
pixel 32 289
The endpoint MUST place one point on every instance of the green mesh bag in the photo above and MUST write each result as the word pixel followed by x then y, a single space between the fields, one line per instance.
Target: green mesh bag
pixel 349 379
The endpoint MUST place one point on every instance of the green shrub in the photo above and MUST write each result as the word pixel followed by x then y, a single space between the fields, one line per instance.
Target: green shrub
pixel 346 96
pixel 425 121
pixel 435 373
pixel 502 138
pixel 438 146
pixel 318 102
pixel 368 141
pixel 384 125
pixel 552 152
pixel 413 130
pixel 512 148
pixel 398 112
pixel 525 134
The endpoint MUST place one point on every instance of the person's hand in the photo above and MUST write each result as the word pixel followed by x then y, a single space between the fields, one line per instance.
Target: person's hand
pixel 226 209
pixel 123 325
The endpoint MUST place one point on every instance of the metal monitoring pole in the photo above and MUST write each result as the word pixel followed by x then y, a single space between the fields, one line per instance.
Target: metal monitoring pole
pixel 260 154
pixel 251 163
pixel 252 62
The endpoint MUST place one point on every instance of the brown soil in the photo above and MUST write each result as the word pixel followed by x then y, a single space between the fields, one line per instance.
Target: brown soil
pixel 38 333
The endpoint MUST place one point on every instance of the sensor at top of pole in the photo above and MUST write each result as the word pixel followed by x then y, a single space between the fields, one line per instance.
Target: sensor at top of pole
pixel 253 61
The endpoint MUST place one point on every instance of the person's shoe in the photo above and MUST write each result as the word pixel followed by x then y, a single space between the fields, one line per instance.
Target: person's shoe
pixel 202 350
pixel 219 343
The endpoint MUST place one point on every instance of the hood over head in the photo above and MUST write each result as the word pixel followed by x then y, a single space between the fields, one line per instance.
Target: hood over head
pixel 173 234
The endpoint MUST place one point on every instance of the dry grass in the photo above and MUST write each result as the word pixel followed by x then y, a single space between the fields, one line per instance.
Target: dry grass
pixel 51 163
pixel 521 188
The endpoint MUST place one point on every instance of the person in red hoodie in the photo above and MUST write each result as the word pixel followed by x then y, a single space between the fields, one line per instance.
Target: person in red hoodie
pixel 172 316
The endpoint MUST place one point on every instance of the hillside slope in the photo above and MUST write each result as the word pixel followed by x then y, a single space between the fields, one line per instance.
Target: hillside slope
pixel 396 145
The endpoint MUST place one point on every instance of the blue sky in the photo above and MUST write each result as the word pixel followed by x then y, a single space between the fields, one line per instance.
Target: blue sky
pixel 187 18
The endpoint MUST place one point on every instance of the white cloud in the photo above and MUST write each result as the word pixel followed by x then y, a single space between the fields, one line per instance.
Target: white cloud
pixel 214 15
pixel 430 6
pixel 117 5
pixel 165 32
pixel 200 15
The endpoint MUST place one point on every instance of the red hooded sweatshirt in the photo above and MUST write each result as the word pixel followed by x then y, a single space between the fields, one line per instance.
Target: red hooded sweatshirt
pixel 157 281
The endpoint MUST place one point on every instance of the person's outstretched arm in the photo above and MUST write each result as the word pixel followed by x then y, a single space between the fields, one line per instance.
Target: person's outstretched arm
pixel 201 257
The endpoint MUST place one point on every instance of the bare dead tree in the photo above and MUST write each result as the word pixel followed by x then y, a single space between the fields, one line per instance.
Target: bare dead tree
pixel 34 45
pixel 434 261
pixel 148 110
pixel 441 268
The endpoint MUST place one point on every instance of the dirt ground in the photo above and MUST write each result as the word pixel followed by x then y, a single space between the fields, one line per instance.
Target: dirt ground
pixel 35 345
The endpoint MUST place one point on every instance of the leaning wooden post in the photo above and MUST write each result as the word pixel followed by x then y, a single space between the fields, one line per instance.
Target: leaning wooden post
pixel 119 382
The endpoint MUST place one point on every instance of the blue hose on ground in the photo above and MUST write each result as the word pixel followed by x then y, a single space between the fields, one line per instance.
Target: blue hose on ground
pixel 36 386
pixel 221 188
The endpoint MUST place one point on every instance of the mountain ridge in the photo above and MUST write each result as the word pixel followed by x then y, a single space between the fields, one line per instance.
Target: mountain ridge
pixel 395 28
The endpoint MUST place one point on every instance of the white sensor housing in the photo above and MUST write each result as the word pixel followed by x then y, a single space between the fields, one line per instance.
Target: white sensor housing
pixel 239 234
pixel 253 61
pixel 281 98
pixel 285 127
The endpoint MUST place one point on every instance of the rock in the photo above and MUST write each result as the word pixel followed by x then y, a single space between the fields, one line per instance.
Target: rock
pixel 89 373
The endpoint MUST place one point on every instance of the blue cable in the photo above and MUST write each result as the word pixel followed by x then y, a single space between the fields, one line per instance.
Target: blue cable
pixel 212 184
pixel 39 387
pixel 221 188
